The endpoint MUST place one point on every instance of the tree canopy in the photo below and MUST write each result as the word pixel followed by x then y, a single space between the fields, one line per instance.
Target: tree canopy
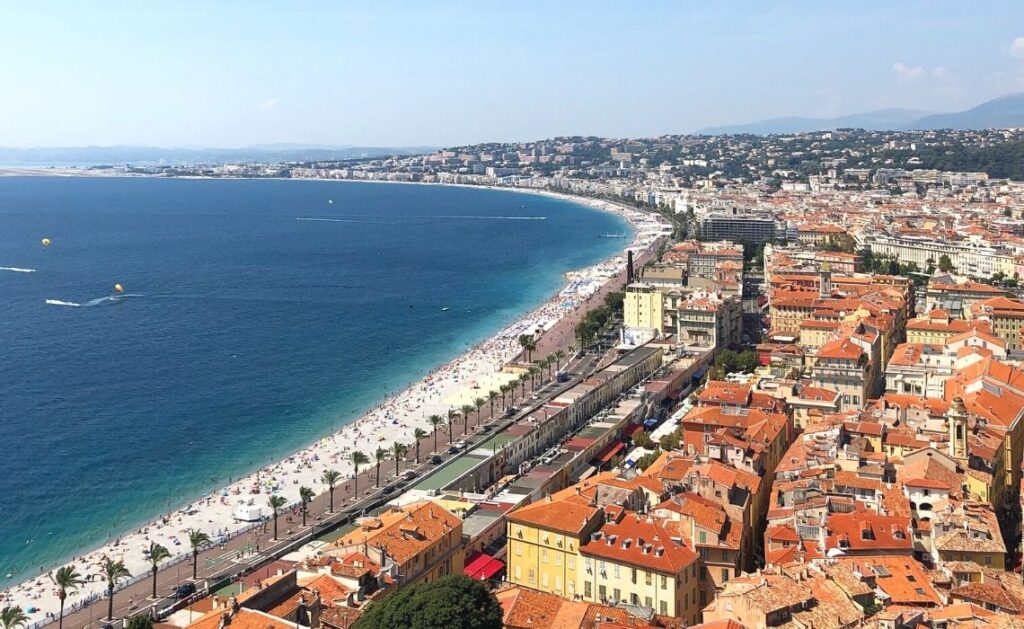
pixel 452 602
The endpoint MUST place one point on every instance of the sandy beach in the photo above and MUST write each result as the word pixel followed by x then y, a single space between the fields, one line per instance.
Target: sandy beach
pixel 470 375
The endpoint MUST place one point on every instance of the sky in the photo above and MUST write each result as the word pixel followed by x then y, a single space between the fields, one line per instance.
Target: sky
pixel 422 73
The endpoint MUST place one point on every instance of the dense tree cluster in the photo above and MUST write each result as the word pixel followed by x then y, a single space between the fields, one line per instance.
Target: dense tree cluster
pixel 452 602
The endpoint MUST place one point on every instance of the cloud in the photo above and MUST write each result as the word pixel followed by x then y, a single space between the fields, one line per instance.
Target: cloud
pixel 1017 47
pixel 270 103
pixel 940 72
pixel 906 72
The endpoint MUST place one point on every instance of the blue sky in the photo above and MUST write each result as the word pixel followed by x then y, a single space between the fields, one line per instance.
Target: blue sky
pixel 419 72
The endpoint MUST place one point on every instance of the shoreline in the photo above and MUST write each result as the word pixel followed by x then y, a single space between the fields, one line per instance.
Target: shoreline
pixel 393 419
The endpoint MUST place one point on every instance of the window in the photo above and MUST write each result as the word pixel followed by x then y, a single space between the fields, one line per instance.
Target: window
pixel 647 579
pixel 531 575
pixel 558 583
pixel 663 608
pixel 616 595
pixel 725 575
pixel 544 580
pixel 519 574
pixel 615 570
pixel 544 555
pixel 664 582
pixel 988 560
pixel 633 575
pixel 634 599
pixel 703 538
pixel 519 550
pixel 647 602
pixel 572 562
pixel 558 559
pixel 587 589
pixel 603 593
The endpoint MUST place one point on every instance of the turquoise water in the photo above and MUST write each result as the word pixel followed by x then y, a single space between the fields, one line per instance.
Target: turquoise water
pixel 244 334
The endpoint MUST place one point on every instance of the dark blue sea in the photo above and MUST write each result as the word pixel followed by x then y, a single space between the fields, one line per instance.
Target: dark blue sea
pixel 244 333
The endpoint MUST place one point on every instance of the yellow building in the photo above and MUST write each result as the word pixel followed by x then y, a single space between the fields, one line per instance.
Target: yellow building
pixel 423 540
pixel 643 307
pixel 565 545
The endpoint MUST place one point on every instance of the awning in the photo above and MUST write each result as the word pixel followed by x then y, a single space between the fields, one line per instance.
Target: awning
pixel 628 431
pixel 610 451
pixel 482 566
pixel 650 422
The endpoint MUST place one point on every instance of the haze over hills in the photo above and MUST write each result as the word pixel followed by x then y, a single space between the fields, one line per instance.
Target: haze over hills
pixel 94 155
pixel 1006 111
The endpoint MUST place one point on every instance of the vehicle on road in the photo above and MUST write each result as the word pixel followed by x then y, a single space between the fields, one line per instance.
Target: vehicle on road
pixel 185 590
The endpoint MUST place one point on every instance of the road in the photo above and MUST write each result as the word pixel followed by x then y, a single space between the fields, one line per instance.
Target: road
pixel 248 552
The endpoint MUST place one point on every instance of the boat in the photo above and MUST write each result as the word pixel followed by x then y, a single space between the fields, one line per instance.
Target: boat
pixel 612 236
pixel 445 309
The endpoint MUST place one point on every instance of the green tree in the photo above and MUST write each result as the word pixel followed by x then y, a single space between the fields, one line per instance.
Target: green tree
pixel 504 389
pixel 643 440
pixel 357 458
pixel 945 264
pixel 452 414
pixel 452 602
pixel 418 435
pixel 139 621
pixel 379 456
pixel 435 421
pixel 11 617
pixel 196 540
pixel 306 496
pixel 492 395
pixel 466 410
pixel 276 502
pixel 331 478
pixel 114 572
pixel 154 555
pixel 528 344
pixel 67 579
pixel 671 441
pixel 398 450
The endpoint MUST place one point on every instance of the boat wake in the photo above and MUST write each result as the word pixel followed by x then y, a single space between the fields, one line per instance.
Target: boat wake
pixel 14 269
pixel 99 301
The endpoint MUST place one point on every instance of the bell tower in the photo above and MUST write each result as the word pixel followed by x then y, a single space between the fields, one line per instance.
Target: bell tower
pixel 956 422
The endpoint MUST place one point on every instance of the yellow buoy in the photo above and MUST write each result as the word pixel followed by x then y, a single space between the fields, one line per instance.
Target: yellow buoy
pixel 46 242
pixel 118 288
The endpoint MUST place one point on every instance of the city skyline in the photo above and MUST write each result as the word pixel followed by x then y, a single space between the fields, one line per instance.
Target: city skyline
pixel 441 75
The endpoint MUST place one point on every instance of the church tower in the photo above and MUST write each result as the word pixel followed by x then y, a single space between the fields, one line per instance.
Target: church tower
pixel 825 281
pixel 956 421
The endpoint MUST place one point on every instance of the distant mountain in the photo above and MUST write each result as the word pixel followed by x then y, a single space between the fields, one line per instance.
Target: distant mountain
pixel 145 155
pixel 1007 111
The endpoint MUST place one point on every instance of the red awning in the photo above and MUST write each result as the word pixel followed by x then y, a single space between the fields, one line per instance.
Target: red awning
pixel 482 566
pixel 630 429
pixel 610 451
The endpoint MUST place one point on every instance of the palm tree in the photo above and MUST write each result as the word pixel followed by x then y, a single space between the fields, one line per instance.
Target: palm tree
pixel 451 422
pixel 358 458
pixel 113 571
pixel 435 421
pixel 479 403
pixel 559 355
pixel 491 396
pixel 11 617
pixel 196 539
pixel 331 478
pixel 276 502
pixel 543 363
pixel 155 554
pixel 504 389
pixel 528 345
pixel 398 450
pixel 466 409
pixel 418 435
pixel 534 372
pixel 67 580
pixel 523 377
pixel 380 455
pixel 306 496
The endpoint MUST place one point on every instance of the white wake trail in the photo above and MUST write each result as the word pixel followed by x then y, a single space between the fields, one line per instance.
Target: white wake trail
pixel 15 269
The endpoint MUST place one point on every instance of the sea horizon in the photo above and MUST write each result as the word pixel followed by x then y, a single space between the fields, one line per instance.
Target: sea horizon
pixel 342 406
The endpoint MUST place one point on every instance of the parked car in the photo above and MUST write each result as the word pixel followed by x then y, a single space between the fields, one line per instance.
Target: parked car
pixel 435 459
pixel 185 590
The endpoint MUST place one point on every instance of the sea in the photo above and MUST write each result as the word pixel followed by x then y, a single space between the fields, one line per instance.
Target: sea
pixel 256 316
